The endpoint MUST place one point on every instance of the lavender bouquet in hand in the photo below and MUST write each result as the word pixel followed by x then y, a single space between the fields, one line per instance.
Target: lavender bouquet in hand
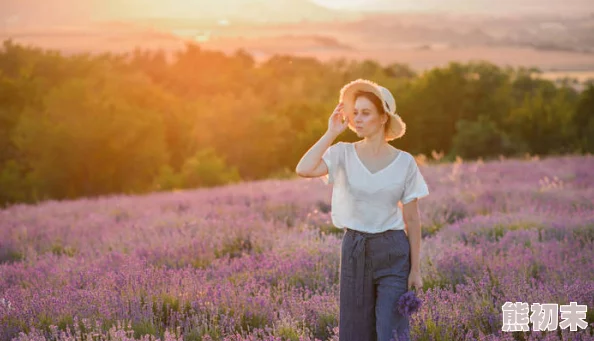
pixel 408 303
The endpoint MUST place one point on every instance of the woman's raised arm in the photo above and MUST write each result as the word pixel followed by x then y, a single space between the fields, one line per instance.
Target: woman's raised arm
pixel 311 164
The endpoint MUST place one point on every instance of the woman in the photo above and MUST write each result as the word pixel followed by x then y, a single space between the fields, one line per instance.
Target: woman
pixel 379 260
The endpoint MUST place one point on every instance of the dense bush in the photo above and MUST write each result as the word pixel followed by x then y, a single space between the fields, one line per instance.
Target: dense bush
pixel 87 125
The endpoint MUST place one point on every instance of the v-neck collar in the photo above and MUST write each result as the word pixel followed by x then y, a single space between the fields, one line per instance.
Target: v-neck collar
pixel 366 169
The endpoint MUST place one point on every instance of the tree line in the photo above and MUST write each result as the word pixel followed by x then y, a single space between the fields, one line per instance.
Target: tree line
pixel 88 124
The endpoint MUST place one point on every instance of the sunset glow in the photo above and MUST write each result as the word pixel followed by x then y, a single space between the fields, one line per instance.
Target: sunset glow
pixel 338 4
pixel 69 12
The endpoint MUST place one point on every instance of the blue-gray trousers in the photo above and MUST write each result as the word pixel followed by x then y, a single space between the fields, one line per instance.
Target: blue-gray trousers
pixel 374 269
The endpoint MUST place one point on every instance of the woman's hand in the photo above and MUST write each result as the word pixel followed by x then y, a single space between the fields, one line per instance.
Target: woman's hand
pixel 414 280
pixel 338 122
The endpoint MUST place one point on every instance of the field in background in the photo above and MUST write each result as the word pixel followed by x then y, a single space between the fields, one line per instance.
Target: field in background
pixel 580 76
pixel 259 260
pixel 423 41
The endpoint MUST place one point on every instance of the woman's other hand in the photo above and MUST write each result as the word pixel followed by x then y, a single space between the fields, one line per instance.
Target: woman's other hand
pixel 414 280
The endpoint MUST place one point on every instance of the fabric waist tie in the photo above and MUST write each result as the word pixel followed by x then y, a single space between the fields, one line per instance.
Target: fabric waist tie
pixel 358 255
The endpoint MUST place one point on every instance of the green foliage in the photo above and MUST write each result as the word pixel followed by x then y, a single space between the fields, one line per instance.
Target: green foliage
pixel 431 230
pixel 65 322
pixel 331 229
pixel 8 254
pixel 94 136
pixel 585 234
pixel 206 169
pixel 545 121
pixel 163 307
pixel 494 233
pixel 290 330
pixel 200 263
pixel 250 320
pixel 60 250
pixel 288 333
pixel 85 125
pixel 482 138
pixel 14 182
pixel 325 323
pixel 235 247
pixel 584 118
pixel 167 179
pixel 143 328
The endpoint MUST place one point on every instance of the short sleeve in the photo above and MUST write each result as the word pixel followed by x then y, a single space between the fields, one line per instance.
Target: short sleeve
pixel 332 157
pixel 415 186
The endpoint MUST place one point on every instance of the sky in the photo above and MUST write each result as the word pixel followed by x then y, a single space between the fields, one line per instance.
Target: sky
pixel 341 4
pixel 77 11
pixel 456 6
pixel 14 12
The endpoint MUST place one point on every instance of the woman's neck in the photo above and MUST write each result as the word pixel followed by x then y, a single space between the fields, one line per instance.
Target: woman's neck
pixel 373 144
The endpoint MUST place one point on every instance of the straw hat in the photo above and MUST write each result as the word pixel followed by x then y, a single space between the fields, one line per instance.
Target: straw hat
pixel 396 127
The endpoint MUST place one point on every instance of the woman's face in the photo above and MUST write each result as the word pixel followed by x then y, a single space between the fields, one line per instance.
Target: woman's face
pixel 366 119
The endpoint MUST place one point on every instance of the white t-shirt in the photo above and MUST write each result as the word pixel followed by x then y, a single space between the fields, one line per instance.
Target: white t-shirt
pixel 367 201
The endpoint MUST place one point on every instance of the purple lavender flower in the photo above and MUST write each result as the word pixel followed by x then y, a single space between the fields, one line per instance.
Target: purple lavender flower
pixel 408 303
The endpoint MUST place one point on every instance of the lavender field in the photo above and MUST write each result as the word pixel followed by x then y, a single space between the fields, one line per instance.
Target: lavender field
pixel 259 260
